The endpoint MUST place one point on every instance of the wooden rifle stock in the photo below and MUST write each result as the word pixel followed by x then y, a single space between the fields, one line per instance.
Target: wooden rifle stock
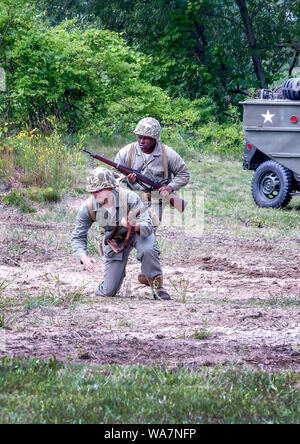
pixel 175 201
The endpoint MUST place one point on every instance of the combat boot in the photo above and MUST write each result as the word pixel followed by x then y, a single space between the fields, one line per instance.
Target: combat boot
pixel 142 278
pixel 157 288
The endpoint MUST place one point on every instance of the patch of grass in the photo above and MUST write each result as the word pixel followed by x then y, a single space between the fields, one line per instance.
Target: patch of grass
pixel 124 323
pixel 273 301
pixel 6 305
pixel 282 302
pixel 201 333
pixel 57 212
pixel 181 289
pixel 5 321
pixel 44 161
pixel 3 285
pixel 93 243
pixel 59 294
pixel 276 302
pixel 49 392
pixel 19 240
pixel 67 296
pixel 77 191
pixel 228 202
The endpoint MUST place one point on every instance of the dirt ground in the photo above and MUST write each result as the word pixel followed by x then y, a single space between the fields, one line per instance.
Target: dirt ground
pixel 233 300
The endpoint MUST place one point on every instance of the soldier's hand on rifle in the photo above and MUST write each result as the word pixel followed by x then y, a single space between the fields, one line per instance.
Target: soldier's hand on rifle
pixel 131 177
pixel 165 190
pixel 124 222
pixel 88 263
pixel 130 222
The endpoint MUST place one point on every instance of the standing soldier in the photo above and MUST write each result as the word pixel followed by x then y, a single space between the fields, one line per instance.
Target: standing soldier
pixel 157 161
pixel 122 216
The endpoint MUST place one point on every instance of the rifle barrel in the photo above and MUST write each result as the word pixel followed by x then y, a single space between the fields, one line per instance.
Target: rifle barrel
pixel 175 201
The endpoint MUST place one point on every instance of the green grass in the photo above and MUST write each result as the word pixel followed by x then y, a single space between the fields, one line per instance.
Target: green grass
pixel 228 202
pixel 56 298
pixel 54 293
pixel 226 188
pixel 49 392
pixel 291 302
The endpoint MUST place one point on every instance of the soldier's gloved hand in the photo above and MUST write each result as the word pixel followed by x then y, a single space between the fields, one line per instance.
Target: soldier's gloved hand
pixel 88 263
pixel 131 177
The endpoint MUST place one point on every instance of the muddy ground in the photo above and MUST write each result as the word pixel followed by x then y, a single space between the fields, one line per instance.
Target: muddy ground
pixel 233 300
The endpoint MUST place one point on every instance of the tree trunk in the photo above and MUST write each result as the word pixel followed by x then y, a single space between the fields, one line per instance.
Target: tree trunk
pixel 249 31
pixel 296 47
pixel 201 40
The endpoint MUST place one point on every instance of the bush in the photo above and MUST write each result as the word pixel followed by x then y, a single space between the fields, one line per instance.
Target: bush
pixel 43 194
pixel 211 138
pixel 18 199
pixel 225 139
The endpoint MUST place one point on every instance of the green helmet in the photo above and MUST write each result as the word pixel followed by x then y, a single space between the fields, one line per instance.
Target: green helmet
pixel 148 127
pixel 99 179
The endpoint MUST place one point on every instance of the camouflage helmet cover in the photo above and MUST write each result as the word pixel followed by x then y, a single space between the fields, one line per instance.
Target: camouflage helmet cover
pixel 99 179
pixel 148 127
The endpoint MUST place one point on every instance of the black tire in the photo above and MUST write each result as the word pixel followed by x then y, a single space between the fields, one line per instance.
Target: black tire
pixel 272 184
pixel 291 89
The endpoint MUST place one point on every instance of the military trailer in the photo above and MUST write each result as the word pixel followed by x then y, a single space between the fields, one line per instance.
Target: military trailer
pixel 271 127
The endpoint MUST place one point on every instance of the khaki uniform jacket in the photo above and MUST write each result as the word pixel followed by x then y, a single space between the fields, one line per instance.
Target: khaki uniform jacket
pixel 107 221
pixel 153 168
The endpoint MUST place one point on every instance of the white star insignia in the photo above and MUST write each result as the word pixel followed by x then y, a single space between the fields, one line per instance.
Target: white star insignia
pixel 268 116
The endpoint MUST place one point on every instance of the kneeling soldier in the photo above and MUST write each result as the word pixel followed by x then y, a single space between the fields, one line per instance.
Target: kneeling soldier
pixel 126 224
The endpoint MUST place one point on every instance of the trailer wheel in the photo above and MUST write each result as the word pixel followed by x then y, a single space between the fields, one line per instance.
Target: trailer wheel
pixel 272 184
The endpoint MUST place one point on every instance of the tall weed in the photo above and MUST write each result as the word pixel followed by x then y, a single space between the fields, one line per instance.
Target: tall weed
pixel 43 160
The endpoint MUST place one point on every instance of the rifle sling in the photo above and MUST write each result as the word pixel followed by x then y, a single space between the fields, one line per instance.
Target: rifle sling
pixel 92 212
pixel 130 232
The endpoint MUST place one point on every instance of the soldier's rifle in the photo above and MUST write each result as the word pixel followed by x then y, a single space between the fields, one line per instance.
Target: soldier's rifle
pixel 147 183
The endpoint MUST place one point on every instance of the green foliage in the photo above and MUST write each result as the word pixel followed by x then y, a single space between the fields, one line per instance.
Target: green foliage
pixel 199 47
pixel 43 194
pixel 213 138
pixel 221 139
pixel 18 199
pixel 73 80
pixel 7 162
pixel 183 67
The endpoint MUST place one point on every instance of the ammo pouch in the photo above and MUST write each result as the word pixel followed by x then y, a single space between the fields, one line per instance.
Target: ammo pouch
pixel 118 242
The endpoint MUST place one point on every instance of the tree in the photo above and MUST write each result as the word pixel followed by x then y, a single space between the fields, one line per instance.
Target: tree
pixel 83 80
pixel 249 31
pixel 202 47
